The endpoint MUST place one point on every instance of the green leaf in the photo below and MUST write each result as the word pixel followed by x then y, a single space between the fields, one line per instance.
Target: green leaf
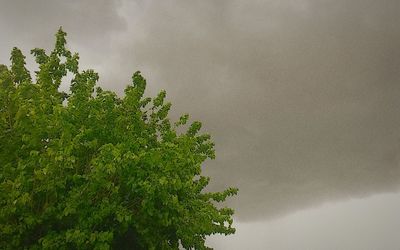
pixel 92 170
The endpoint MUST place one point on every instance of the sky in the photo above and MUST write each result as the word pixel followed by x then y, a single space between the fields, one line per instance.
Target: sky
pixel 301 98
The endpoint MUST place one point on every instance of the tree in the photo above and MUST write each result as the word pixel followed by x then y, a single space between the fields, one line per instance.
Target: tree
pixel 91 170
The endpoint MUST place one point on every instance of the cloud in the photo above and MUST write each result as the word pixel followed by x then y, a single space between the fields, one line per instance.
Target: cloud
pixel 301 96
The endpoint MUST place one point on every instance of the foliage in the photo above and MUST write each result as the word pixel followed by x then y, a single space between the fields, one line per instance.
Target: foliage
pixel 91 170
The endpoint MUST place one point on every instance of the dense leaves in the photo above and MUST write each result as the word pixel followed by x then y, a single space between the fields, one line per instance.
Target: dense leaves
pixel 91 170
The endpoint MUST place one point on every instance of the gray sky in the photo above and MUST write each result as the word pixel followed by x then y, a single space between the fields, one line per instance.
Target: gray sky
pixel 302 97
pixel 357 224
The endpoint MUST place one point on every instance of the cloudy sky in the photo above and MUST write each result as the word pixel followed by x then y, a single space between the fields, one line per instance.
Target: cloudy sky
pixel 302 98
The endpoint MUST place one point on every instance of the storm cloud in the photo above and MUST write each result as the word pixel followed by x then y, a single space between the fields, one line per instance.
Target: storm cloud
pixel 301 97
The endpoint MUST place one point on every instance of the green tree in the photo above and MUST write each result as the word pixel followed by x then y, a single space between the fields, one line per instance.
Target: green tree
pixel 91 170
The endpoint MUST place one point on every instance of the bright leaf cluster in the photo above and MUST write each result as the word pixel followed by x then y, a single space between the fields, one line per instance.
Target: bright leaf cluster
pixel 91 170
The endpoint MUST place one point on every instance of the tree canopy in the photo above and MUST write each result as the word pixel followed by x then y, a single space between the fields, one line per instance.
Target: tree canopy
pixel 91 170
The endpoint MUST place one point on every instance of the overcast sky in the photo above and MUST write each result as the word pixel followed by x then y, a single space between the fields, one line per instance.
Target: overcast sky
pixel 302 98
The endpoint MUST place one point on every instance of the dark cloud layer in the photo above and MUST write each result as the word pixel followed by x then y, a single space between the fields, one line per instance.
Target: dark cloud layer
pixel 302 97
